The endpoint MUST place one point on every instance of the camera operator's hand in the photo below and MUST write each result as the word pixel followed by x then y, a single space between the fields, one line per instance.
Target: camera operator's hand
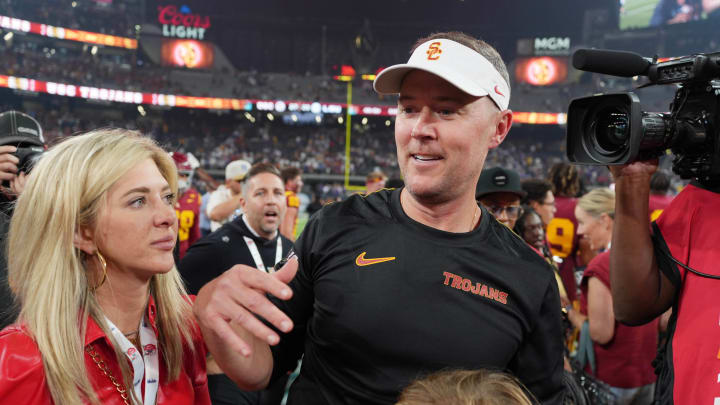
pixel 8 162
pixel 639 169
pixel 17 185
pixel 8 173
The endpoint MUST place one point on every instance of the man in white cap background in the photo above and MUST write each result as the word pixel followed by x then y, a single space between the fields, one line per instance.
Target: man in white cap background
pixel 224 203
pixel 401 283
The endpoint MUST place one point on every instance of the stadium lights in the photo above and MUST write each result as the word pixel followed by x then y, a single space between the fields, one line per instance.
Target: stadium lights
pixel 349 78
pixel 9 36
pixel 270 116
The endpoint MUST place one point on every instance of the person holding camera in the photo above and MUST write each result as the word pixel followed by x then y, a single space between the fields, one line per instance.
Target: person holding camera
pixel 671 265
pixel 104 317
pixel 21 143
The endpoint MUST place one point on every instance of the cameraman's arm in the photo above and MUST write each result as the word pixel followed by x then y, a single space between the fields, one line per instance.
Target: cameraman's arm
pixel 640 291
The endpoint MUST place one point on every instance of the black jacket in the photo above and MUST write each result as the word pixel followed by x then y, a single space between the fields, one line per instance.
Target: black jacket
pixel 212 255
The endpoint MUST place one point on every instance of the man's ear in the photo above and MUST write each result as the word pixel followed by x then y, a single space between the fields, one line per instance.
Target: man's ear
pixel 502 127
pixel 84 240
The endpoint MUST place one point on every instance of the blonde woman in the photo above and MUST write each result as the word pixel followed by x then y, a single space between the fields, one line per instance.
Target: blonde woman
pixel 466 387
pixel 623 354
pixel 103 312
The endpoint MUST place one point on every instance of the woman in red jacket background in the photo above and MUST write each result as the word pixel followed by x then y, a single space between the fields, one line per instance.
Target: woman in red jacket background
pixel 103 313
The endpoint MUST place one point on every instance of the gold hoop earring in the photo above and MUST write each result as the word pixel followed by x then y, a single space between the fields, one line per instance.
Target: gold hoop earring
pixel 103 264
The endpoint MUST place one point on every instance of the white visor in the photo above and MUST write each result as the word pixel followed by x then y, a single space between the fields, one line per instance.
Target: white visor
pixel 461 66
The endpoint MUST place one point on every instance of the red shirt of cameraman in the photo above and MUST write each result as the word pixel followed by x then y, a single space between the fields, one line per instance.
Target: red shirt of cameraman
pixel 689 226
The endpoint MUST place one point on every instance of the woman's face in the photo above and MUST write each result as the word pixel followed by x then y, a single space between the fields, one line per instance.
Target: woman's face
pixel 533 231
pixel 137 228
pixel 594 229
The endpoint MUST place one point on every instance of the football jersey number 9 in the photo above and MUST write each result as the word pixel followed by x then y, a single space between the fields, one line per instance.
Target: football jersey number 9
pixel 560 234
pixel 187 218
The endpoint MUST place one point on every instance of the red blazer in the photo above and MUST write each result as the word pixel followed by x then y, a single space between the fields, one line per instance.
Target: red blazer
pixel 22 377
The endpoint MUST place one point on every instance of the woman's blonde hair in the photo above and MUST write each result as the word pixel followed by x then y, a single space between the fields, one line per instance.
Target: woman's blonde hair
pixel 466 387
pixel 598 201
pixel 47 273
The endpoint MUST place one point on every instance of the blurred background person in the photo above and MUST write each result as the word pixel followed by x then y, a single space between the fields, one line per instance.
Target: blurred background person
pixel 251 239
pixel 188 203
pixel 103 313
pixel 530 227
pixel 205 223
pixel 562 230
pixel 466 387
pixel 224 203
pixel 16 130
pixel 676 11
pixel 540 198
pixel 623 354
pixel 660 196
pixel 375 181
pixel 292 178
pixel 499 191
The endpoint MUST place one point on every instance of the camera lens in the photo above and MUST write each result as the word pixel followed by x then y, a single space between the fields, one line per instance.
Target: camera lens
pixel 612 129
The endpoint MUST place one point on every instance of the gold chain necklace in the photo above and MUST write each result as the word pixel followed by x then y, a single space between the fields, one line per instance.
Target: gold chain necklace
pixel 472 222
pixel 104 368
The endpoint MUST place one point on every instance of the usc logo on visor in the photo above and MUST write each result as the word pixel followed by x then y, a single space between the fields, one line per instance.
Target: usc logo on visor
pixel 434 51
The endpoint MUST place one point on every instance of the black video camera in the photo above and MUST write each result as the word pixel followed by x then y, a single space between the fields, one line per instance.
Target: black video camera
pixel 23 132
pixel 611 129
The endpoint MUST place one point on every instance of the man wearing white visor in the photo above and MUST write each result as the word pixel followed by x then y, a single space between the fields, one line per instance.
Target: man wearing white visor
pixel 389 287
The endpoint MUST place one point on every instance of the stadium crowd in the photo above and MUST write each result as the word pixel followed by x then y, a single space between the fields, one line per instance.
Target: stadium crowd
pixel 106 17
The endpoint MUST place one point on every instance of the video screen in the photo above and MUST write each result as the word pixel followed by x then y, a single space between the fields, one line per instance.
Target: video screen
pixel 187 53
pixel 653 13
pixel 541 70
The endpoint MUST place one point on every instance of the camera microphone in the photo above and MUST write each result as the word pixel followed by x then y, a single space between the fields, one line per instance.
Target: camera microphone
pixel 616 63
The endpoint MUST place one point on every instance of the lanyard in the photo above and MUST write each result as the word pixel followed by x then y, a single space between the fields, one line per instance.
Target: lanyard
pixel 255 253
pixel 147 366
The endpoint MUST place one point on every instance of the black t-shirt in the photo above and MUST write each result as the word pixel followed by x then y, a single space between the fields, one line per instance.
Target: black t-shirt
pixel 212 255
pixel 380 300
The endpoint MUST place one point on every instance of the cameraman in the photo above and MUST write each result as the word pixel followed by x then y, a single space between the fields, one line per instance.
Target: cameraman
pixel 16 183
pixel 19 129
pixel 646 281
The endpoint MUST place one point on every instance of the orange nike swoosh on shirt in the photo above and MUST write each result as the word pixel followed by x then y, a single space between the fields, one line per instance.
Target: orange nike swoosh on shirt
pixel 362 261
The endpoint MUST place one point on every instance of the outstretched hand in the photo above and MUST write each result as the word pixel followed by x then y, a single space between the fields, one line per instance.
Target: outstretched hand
pixel 239 297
